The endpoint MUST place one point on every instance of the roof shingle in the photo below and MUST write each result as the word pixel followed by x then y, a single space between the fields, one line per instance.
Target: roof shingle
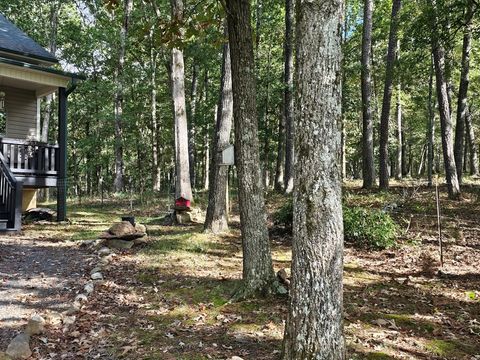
pixel 15 41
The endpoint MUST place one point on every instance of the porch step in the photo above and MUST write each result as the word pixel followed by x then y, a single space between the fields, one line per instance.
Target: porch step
pixel 3 224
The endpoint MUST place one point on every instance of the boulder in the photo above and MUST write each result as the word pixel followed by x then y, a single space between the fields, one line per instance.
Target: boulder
pixel 124 231
pixel 140 229
pixel 119 243
pixel 19 347
pixel 121 229
pixel 35 326
pixel 183 217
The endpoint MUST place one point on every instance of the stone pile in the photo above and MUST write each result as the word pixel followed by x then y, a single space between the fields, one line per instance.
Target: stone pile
pixel 123 235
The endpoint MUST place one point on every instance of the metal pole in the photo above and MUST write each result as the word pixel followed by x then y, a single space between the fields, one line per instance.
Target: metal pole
pixel 440 242
pixel 62 160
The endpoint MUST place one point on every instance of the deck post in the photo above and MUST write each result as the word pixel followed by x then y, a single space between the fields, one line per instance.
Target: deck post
pixel 62 160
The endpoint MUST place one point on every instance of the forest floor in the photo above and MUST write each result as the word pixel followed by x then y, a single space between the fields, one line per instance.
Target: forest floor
pixel 170 299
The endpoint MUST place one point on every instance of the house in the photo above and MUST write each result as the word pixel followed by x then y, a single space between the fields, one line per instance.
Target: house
pixel 28 73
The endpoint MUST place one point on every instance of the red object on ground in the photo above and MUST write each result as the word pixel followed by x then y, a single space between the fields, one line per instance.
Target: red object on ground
pixel 181 202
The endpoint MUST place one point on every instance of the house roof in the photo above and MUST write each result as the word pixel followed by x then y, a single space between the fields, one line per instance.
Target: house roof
pixel 14 41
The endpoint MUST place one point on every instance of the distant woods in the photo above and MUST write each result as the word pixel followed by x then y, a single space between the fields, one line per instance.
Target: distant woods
pixel 410 104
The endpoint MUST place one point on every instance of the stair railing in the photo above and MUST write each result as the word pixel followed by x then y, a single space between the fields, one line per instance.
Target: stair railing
pixel 11 195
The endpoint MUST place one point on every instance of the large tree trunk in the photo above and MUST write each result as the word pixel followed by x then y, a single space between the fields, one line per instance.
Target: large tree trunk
pixel 387 95
pixel 445 120
pixel 314 328
pixel 182 168
pixel 463 90
pixel 216 219
pixel 430 129
pixel 258 272
pixel 287 95
pixel 118 182
pixel 191 138
pixel 368 168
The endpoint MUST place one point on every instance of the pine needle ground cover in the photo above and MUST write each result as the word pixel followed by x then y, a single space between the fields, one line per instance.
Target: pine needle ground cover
pixel 170 299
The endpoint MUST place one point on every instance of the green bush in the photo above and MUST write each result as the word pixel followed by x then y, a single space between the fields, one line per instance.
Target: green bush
pixel 369 228
pixel 362 227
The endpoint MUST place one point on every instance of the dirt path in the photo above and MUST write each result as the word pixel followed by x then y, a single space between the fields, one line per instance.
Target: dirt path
pixel 35 276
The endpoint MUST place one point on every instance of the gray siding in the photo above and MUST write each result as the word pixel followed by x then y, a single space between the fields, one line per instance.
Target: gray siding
pixel 21 107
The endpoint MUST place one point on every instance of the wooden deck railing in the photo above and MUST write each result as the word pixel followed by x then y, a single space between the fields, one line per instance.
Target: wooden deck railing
pixel 25 157
pixel 10 196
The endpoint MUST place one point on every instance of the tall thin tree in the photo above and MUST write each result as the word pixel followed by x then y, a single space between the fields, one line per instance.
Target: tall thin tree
pixel 368 168
pixel 438 51
pixel 387 95
pixel 216 219
pixel 314 327
pixel 182 182
pixel 288 96
pixel 463 90
pixel 118 182
pixel 258 272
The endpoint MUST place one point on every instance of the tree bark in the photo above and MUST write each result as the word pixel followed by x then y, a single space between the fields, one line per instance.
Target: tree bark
pixel 314 328
pixel 280 165
pixel 387 94
pixel 193 111
pixel 474 171
pixel 430 129
pixel 216 219
pixel 399 158
pixel 445 120
pixel 368 168
pixel 118 182
pixel 463 90
pixel 258 272
pixel 182 182
pixel 206 139
pixel 287 95
pixel 157 174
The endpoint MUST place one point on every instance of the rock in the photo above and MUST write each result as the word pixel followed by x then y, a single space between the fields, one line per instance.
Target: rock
pixel 119 244
pixel 122 228
pixel 35 326
pixel 40 214
pixel 19 347
pixel 69 320
pixel 96 269
pixel 104 251
pixel 4 356
pixel 183 217
pixel 73 309
pixel 89 287
pixel 140 241
pixel 96 276
pixel 81 298
pixel 235 358
pixel 54 318
pixel 140 229
pixel 283 276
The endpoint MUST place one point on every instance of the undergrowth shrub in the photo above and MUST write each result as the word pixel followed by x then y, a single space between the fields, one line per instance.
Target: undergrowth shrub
pixel 363 227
